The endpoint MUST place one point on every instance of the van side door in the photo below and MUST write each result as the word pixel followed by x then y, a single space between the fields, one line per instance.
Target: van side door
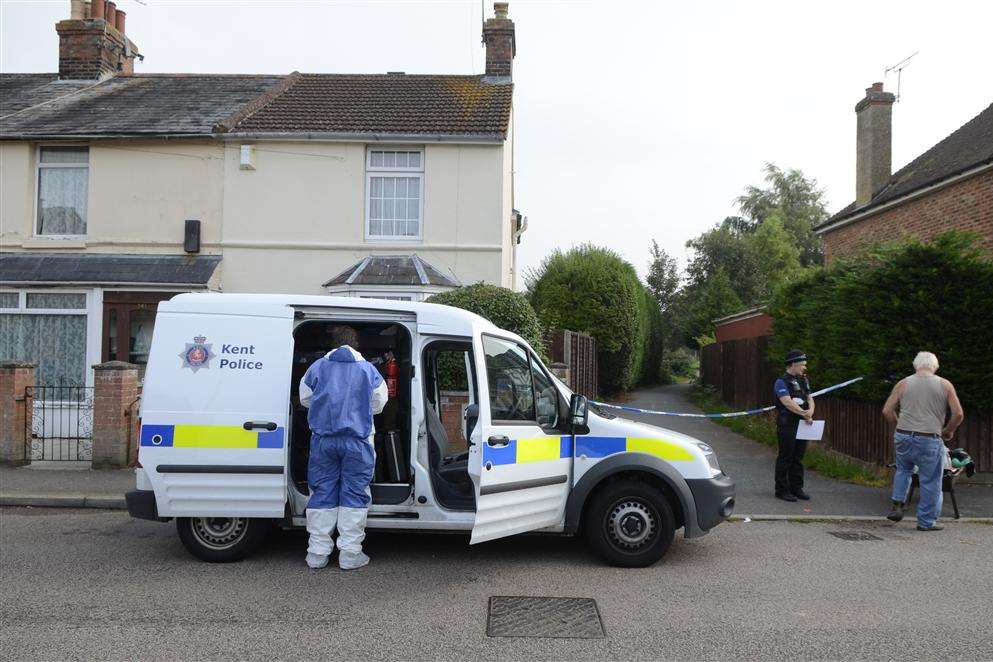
pixel 523 467
pixel 214 410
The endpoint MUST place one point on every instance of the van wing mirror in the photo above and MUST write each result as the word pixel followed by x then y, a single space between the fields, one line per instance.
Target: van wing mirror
pixel 579 410
pixel 470 416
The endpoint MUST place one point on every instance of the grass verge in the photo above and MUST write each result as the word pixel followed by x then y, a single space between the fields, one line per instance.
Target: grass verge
pixel 762 428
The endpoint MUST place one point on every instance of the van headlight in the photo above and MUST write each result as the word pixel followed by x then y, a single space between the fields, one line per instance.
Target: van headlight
pixel 708 452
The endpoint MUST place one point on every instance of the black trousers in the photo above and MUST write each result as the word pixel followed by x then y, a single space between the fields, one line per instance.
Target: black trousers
pixel 789 462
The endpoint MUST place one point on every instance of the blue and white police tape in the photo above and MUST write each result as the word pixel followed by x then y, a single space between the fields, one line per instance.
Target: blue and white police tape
pixel 732 414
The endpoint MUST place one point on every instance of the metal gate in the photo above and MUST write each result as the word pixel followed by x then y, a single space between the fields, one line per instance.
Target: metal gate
pixel 61 422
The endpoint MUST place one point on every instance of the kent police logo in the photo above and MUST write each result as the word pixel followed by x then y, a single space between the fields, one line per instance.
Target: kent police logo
pixel 197 354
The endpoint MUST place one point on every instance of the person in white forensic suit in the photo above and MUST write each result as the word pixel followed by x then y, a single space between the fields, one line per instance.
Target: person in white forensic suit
pixel 342 392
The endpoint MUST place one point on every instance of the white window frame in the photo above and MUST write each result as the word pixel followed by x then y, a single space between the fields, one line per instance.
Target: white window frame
pixel 92 310
pixel 35 220
pixel 371 172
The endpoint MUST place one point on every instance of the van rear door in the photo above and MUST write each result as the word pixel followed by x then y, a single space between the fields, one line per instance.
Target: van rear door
pixel 521 466
pixel 214 409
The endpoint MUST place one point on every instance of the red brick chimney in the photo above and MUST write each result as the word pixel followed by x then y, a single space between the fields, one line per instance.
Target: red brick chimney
pixel 873 142
pixel 92 44
pixel 498 35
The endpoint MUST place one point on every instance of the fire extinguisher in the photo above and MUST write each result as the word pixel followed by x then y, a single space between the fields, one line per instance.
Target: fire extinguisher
pixel 392 375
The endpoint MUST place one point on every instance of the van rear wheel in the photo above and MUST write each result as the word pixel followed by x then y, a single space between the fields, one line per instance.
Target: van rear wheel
pixel 222 539
pixel 629 524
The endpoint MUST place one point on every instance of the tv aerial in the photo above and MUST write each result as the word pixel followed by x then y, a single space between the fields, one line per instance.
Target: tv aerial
pixel 898 68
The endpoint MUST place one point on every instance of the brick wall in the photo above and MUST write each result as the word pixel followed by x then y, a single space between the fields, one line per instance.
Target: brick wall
pixel 115 389
pixel 452 403
pixel 15 411
pixel 965 205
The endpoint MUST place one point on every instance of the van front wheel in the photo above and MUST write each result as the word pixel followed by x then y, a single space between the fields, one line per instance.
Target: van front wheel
pixel 222 539
pixel 629 523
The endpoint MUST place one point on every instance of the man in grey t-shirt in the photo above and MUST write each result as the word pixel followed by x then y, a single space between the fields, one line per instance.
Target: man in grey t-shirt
pixel 918 406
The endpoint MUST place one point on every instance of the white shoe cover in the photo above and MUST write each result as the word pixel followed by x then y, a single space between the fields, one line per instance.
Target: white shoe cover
pixel 352 561
pixel 317 561
pixel 320 526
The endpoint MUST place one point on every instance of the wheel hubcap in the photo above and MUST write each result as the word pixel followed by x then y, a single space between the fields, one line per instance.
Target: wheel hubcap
pixel 631 524
pixel 219 532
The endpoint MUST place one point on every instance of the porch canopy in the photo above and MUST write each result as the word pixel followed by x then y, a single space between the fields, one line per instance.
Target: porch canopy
pixel 182 271
pixel 396 276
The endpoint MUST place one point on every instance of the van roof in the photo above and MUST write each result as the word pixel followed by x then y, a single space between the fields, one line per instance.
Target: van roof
pixel 431 317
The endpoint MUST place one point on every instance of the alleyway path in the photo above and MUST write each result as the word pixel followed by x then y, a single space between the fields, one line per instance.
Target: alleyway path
pixel 751 465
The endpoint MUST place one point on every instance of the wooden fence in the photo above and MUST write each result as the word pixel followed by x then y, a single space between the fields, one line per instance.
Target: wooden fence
pixel 577 351
pixel 742 374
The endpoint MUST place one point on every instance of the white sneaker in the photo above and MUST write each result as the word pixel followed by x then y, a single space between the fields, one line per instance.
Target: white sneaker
pixel 317 561
pixel 349 561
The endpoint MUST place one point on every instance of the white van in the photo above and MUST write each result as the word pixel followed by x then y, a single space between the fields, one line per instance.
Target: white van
pixel 224 441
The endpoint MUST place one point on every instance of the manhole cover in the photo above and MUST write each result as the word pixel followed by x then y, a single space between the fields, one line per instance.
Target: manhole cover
pixel 854 535
pixel 528 616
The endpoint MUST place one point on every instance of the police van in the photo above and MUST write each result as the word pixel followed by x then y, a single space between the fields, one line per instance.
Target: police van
pixel 477 436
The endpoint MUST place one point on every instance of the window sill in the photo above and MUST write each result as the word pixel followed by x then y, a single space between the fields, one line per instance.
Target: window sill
pixel 53 243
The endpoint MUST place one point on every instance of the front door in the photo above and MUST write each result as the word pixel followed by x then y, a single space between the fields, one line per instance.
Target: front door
pixel 128 320
pixel 520 462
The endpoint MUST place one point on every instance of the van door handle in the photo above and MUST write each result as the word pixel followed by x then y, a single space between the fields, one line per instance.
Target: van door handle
pixel 498 441
pixel 260 425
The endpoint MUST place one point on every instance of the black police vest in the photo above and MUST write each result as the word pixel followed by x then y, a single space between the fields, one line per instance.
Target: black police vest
pixel 798 387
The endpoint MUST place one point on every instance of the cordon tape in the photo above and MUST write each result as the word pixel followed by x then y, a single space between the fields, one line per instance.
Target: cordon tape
pixel 732 414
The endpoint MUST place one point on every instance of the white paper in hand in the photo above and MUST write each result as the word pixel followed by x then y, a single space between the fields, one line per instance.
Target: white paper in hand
pixel 812 432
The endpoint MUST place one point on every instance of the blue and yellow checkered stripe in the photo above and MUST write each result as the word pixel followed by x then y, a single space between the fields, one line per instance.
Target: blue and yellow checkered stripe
pixel 543 449
pixel 210 436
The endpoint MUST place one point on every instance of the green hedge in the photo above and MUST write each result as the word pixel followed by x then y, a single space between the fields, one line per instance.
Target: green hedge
pixel 593 290
pixel 871 314
pixel 505 308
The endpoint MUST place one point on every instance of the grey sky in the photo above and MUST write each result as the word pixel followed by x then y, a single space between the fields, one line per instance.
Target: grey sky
pixel 635 120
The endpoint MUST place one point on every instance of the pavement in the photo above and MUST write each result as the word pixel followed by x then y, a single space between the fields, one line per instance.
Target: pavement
pixel 96 584
pixel 751 465
pixel 748 462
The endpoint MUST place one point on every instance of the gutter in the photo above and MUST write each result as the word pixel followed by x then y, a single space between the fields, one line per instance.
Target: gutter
pixel 336 136
pixel 98 283
pixel 830 226
pixel 743 315
pixel 101 136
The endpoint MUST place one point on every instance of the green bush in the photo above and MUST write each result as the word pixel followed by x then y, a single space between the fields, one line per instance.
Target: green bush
pixel 871 314
pixel 593 290
pixel 505 308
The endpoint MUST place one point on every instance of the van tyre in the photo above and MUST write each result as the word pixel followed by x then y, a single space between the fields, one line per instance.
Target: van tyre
pixel 222 539
pixel 629 524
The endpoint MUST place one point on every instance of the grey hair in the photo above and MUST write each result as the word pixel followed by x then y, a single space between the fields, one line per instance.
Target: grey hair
pixel 927 361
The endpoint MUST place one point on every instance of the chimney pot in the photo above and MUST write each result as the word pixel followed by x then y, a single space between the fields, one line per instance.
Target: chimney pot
pixel 873 142
pixel 76 10
pixel 119 21
pixel 501 46
pixel 97 8
pixel 111 13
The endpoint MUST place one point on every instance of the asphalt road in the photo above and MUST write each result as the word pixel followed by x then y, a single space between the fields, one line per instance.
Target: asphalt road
pixel 98 585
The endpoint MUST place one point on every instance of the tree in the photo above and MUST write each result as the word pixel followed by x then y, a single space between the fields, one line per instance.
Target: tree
pixel 775 255
pixel 698 305
pixel 663 276
pixel 796 201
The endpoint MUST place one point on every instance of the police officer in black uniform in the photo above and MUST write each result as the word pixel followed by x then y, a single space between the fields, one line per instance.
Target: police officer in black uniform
pixel 793 404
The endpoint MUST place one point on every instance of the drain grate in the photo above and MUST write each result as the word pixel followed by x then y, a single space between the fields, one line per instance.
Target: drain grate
pixel 529 616
pixel 854 535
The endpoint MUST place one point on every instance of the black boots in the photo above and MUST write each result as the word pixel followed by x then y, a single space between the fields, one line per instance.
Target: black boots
pixel 800 494
pixel 897 513
pixel 785 496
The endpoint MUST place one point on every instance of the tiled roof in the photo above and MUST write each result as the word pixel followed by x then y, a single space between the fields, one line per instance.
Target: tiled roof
pixel 40 105
pixel 387 103
pixel 393 270
pixel 187 270
pixel 969 147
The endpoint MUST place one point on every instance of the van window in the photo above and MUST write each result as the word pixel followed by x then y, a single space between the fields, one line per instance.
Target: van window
pixel 508 373
pixel 547 397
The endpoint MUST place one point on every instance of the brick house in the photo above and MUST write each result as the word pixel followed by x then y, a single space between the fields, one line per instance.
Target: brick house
pixel 950 186
pixel 122 188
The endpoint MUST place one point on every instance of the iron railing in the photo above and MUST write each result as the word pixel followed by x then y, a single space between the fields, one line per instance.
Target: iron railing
pixel 61 422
